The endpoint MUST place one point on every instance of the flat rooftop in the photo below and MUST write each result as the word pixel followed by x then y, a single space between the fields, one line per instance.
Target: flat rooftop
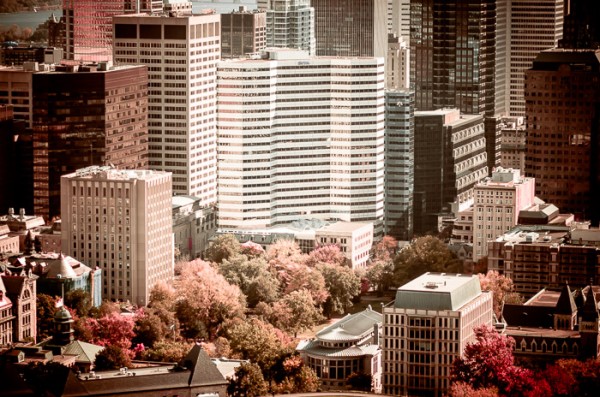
pixel 438 291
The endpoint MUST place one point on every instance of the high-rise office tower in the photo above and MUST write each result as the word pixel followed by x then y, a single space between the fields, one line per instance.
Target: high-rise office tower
pixel 350 28
pixel 85 115
pixel 120 221
pixel 562 100
pixel 181 52
pixel 426 328
pixel 452 54
pixel 88 25
pixel 450 158
pixel 533 26
pixel 581 28
pixel 399 163
pixel 290 24
pixel 304 140
pixel 243 32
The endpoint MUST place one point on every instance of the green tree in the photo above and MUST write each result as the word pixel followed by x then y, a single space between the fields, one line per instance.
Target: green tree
pixel 425 254
pixel 296 312
pixel 252 276
pixel 222 247
pixel 290 375
pixel 342 284
pixel 80 301
pixel 167 351
pixel 359 381
pixel 46 307
pixel 149 328
pixel 247 382
pixel 257 341
pixel 112 357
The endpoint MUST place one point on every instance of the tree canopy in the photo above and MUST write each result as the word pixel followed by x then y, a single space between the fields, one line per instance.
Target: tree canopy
pixel 424 254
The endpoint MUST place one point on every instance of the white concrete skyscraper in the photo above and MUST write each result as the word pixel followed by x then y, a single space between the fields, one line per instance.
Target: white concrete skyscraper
pixel 300 137
pixel 120 221
pixel 181 52
pixel 290 24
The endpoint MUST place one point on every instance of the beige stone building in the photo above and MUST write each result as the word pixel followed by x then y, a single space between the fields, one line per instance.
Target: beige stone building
pixel 426 328
pixel 120 221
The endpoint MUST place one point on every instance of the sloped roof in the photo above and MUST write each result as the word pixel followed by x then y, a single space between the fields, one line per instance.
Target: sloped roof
pixel 314 348
pixel 86 352
pixel 566 303
pixel 352 327
pixel 204 371
pixel 589 311
pixel 62 267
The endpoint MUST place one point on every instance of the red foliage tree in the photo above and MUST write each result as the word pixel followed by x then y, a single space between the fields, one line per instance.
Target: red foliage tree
pixel 489 363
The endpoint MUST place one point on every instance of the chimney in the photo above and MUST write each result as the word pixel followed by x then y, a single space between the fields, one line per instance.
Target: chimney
pixel 22 213
pixel 376 334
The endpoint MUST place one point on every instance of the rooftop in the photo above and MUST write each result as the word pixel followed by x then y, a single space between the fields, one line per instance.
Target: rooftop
pixel 438 291
pixel 111 173
pixel 353 327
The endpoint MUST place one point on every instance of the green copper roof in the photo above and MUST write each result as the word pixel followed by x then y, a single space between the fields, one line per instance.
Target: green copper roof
pixel 438 291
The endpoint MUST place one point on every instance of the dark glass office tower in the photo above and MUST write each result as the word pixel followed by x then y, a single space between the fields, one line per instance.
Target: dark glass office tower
pixel 83 117
pixel 452 54
pixel 562 103
pixel 350 28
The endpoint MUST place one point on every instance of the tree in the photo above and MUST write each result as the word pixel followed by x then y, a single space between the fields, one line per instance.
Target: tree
pixel 79 300
pixel 385 250
pixel 570 377
pixel 499 285
pixel 205 297
pixel 46 307
pixel 112 357
pixel 290 375
pixel 257 341
pixel 425 254
pixel 342 284
pixel 285 258
pixel 167 351
pixel 489 363
pixel 296 312
pixel 162 294
pixel 463 389
pixel 149 328
pixel 380 273
pixel 330 253
pixel 311 280
pixel 112 329
pixel 252 276
pixel 247 382
pixel 223 247
pixel 359 381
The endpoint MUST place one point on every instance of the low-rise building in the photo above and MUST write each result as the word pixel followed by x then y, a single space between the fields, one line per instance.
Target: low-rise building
pixel 555 324
pixel 350 345
pixel 354 239
pixel 193 225
pixel 427 327
pixel 58 274
pixel 546 256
